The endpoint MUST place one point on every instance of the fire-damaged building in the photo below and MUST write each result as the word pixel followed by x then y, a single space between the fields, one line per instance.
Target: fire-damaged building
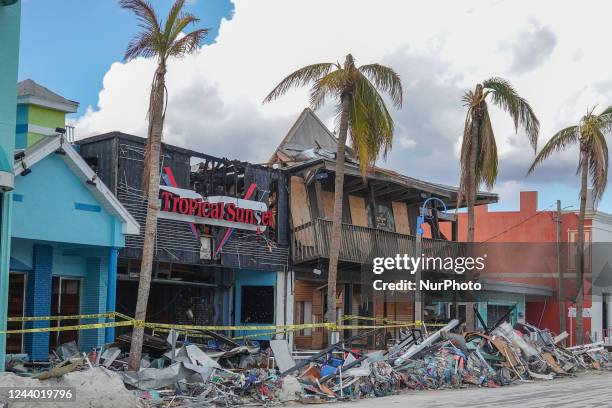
pixel 379 217
pixel 222 246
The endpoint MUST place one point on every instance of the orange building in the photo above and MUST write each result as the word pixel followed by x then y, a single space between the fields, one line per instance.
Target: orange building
pixel 522 264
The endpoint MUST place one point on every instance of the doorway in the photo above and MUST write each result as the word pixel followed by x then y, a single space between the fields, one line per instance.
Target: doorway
pixel 65 301
pixel 16 308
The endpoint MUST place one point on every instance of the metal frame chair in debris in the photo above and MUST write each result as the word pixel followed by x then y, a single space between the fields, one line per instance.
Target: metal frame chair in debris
pixel 198 368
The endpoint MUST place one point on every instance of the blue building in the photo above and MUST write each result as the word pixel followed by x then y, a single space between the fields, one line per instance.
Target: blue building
pixel 67 229
pixel 10 15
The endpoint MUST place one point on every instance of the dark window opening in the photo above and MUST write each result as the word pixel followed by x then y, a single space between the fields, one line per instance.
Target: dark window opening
pixel 496 312
pixel 384 217
pixel 65 301
pixel 460 315
pixel 93 163
pixel 257 304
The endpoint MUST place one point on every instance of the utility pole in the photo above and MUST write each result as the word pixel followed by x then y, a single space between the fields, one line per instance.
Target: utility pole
pixel 560 269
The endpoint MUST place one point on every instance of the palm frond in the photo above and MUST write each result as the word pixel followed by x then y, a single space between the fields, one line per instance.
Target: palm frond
pixel 181 23
pixel 386 80
pixel 464 159
pixel 142 45
pixel 188 43
pixel 487 163
pixel 147 42
pixel 559 142
pixel 371 124
pixel 175 13
pixel 605 118
pixel 147 18
pixel 505 97
pixel 598 163
pixel 329 86
pixel 301 77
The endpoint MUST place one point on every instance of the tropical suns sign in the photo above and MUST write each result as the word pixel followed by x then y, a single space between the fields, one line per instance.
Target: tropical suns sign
pixel 187 205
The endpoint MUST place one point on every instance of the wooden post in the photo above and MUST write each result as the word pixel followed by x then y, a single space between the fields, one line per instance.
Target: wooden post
pixel 560 269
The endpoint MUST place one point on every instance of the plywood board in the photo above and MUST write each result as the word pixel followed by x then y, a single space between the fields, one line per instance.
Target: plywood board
pixel 300 212
pixel 358 211
pixel 327 198
pixel 400 214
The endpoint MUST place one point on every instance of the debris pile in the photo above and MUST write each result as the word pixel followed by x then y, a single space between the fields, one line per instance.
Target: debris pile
pixel 225 372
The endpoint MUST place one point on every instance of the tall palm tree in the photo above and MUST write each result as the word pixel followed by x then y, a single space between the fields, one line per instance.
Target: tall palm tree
pixel 479 150
pixel 363 116
pixel 162 41
pixel 588 134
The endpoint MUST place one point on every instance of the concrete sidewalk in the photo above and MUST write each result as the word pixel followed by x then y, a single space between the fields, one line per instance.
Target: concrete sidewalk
pixel 586 390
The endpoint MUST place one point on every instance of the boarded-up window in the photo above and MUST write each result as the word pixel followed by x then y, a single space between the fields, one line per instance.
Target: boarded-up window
pixel 400 214
pixel 358 211
pixel 300 212
pixel 327 198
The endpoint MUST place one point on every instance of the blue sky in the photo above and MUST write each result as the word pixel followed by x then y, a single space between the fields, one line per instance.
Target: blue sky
pixel 69 45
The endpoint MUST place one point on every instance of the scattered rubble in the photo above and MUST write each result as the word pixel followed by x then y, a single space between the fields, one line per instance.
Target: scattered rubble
pixel 225 372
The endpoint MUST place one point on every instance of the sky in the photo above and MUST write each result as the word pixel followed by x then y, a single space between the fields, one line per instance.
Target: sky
pixel 552 56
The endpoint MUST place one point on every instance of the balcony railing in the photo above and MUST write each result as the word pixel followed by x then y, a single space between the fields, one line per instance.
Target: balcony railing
pixel 362 244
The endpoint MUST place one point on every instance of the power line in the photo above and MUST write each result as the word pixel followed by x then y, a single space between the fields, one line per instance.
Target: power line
pixel 544 211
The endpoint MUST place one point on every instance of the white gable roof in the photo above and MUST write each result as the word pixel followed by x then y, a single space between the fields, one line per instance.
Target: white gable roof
pixel 79 167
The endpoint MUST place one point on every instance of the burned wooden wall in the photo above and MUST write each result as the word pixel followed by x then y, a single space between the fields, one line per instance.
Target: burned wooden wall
pixel 266 250
pixel 118 159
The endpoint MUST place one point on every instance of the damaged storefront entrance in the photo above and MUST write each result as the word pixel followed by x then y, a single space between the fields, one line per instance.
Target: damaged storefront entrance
pixel 254 299
pixel 65 301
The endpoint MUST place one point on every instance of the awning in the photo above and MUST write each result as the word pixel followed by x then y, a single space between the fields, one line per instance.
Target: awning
pixel 515 287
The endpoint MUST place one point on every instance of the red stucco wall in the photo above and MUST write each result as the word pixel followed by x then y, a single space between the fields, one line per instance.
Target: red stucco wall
pixel 528 226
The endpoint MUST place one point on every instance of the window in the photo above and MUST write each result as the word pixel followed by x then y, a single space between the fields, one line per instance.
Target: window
pixel 461 315
pixel 384 217
pixel 257 304
pixel 496 312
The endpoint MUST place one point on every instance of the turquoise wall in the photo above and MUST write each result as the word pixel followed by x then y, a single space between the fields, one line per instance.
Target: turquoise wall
pixel 484 299
pixel 250 277
pixel 9 39
pixel 64 263
pixel 52 204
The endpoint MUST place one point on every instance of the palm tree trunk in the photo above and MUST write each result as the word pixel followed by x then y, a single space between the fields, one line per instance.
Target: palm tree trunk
pixel 151 172
pixel 336 232
pixel 471 200
pixel 584 169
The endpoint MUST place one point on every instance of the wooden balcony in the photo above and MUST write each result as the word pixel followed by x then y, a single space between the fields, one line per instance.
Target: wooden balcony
pixel 360 245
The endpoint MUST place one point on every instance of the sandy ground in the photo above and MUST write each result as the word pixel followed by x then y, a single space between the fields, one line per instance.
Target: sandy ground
pixel 586 390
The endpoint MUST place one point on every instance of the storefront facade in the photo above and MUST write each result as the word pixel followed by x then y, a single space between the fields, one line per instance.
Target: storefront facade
pixel 379 219
pixel 222 238
pixel 67 228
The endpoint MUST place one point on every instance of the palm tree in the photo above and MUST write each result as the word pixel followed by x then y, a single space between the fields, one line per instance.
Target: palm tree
pixel 162 41
pixel 478 149
pixel 363 116
pixel 588 134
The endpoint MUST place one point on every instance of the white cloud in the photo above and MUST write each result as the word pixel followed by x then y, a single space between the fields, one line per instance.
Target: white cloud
pixel 439 48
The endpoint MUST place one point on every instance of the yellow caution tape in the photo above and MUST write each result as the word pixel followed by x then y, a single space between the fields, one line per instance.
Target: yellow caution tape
pixel 108 315
pixel 241 328
pixel 275 329
pixel 68 328
pixel 416 323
